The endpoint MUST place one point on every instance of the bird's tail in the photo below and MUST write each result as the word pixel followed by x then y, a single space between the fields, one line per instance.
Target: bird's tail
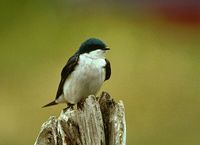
pixel 50 104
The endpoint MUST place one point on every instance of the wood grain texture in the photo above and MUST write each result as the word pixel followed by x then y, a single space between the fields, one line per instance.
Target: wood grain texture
pixel 99 121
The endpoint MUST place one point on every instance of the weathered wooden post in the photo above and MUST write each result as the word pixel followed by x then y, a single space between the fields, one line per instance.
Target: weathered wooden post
pixel 100 121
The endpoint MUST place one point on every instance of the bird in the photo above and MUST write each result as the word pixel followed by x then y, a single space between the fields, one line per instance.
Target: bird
pixel 84 73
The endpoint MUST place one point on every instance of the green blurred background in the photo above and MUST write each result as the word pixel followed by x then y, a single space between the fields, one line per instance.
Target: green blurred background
pixel 155 57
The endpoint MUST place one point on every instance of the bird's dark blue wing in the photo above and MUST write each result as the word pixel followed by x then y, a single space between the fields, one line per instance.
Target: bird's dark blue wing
pixel 67 70
pixel 108 70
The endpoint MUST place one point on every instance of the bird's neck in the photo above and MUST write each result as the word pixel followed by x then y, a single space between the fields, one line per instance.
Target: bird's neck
pixel 97 54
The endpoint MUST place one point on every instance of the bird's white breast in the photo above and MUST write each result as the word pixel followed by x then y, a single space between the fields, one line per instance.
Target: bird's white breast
pixel 86 79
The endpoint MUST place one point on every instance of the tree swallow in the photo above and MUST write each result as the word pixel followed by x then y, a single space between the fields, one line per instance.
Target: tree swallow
pixel 84 73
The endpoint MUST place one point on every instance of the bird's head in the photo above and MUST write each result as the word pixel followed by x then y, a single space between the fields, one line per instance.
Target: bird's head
pixel 93 47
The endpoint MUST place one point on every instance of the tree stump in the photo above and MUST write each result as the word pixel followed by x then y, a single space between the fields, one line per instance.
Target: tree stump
pixel 100 121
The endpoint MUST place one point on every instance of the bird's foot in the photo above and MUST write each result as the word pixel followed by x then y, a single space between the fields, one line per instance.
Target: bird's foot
pixel 80 104
pixel 69 107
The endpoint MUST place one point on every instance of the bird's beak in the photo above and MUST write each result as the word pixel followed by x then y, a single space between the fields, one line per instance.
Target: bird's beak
pixel 106 48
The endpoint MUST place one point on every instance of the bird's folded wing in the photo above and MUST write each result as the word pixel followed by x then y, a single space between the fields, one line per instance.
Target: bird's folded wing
pixel 67 70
